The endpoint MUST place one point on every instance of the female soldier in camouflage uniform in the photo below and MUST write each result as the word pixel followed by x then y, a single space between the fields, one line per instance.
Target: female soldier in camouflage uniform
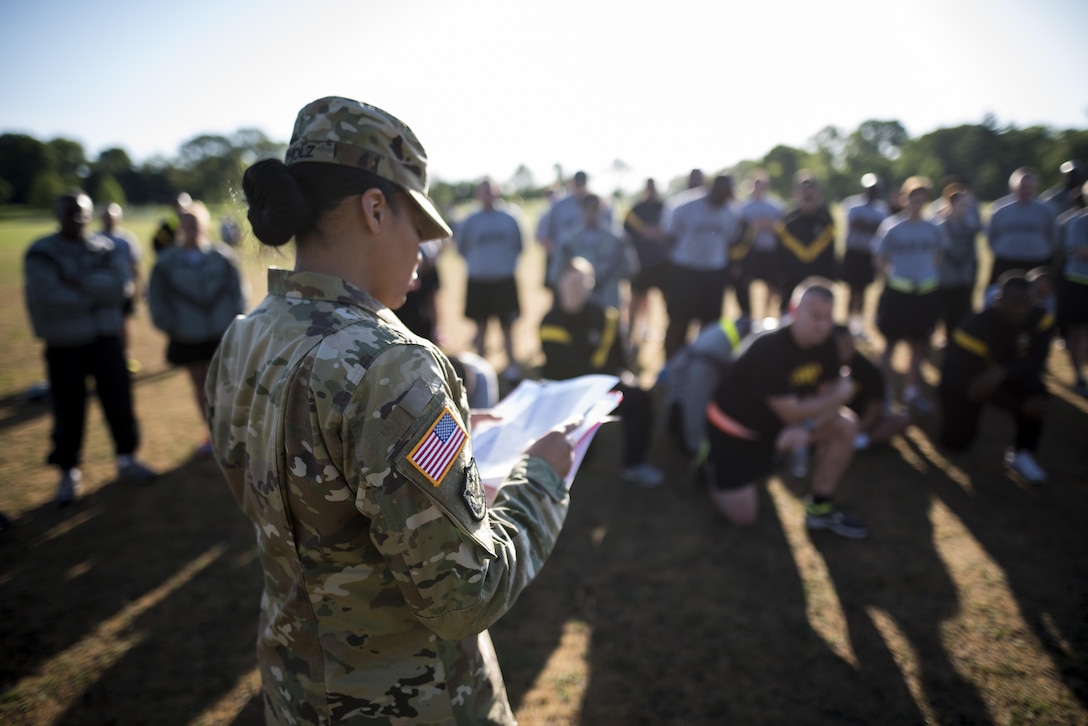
pixel 344 437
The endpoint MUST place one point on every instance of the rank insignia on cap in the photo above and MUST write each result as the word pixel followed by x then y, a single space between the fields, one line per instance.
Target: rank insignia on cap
pixel 473 492
pixel 435 453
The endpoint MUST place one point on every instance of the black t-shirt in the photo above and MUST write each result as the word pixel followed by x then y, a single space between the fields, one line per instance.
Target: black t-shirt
pixel 578 344
pixel 868 383
pixel 807 244
pixel 771 365
pixel 646 213
pixel 987 339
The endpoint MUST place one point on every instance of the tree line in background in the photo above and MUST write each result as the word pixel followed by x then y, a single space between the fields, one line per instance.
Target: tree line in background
pixel 984 155
pixel 209 166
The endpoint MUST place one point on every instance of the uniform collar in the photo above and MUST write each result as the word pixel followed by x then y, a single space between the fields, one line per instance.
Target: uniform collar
pixel 319 287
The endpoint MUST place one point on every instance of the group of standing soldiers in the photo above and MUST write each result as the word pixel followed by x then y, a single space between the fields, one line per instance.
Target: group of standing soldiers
pixel 82 287
pixel 699 244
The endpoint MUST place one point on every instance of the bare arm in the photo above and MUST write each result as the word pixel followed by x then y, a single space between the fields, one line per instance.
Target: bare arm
pixel 793 410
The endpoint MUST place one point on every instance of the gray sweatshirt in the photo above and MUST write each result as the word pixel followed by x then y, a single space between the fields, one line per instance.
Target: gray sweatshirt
pixel 911 249
pixel 490 241
pixel 194 296
pixel 613 258
pixel 1022 231
pixel 694 374
pixel 703 234
pixel 75 290
pixel 1076 240
pixel 959 264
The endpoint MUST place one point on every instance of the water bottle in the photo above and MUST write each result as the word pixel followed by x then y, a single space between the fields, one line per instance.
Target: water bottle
pixel 799 462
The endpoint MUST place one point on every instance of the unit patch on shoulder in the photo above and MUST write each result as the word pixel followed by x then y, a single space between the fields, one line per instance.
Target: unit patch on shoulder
pixel 438 449
pixel 473 492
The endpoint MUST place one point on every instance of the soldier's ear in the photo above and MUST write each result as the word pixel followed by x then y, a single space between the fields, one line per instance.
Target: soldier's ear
pixel 375 210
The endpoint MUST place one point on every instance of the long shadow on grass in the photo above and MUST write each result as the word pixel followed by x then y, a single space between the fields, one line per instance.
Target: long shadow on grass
pixel 896 591
pixel 527 636
pixel 17 409
pixel 154 587
pixel 1035 534
pixel 706 624
pixel 691 621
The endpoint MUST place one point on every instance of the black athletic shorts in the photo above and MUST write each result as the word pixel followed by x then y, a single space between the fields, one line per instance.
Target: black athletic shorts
pixel 183 354
pixel 761 265
pixel 907 316
pixel 692 294
pixel 1072 303
pixel 650 276
pixel 955 305
pixel 856 268
pixel 960 415
pixel 735 463
pixel 1002 265
pixel 492 299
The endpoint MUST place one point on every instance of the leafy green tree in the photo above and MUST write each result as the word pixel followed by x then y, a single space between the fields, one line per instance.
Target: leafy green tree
pixel 22 158
pixel 781 163
pixel 560 177
pixel 983 155
pixel 522 182
pixel 447 195
pixel 874 148
pixel 45 189
pixel 1069 144
pixel 253 145
pixel 154 184
pixel 830 143
pixel 741 171
pixel 69 161
pixel 826 161
pixel 208 166
pixel 108 191
pixel 114 161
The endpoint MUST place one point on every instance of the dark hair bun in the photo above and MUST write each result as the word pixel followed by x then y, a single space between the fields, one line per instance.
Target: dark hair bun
pixel 278 208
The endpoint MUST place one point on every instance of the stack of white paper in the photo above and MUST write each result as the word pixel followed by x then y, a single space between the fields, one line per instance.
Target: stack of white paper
pixel 533 409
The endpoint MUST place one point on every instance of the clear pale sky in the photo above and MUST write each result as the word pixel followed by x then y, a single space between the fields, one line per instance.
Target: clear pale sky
pixel 664 86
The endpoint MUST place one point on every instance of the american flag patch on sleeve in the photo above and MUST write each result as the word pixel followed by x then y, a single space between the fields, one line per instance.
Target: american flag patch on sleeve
pixel 435 454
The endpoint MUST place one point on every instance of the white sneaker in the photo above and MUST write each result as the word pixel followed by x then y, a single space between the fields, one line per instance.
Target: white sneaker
pixel 69 488
pixel 644 475
pixel 1024 464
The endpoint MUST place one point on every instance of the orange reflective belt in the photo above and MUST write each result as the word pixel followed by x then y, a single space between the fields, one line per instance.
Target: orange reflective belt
pixel 728 425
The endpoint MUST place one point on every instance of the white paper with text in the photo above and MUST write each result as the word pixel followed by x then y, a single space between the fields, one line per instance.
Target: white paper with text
pixel 535 408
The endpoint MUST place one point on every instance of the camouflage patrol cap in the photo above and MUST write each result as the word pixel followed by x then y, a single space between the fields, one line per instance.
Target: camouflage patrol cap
pixel 341 131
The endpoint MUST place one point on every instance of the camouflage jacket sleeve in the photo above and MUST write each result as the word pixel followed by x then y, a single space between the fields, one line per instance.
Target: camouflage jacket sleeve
pixel 458 564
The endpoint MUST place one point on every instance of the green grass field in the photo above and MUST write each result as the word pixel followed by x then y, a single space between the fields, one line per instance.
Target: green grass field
pixel 969 604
